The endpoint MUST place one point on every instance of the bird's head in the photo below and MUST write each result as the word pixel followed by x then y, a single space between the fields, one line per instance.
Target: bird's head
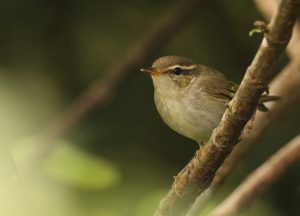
pixel 169 71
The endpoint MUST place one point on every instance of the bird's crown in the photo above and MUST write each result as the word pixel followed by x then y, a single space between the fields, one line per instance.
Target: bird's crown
pixel 173 61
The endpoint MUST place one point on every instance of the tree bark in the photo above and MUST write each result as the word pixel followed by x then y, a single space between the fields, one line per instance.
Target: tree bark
pixel 197 175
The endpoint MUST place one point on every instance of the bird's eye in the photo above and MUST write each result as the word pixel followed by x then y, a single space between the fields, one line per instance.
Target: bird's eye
pixel 177 70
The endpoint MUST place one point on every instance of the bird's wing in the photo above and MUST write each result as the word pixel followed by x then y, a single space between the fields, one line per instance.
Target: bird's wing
pixel 217 86
pixel 224 90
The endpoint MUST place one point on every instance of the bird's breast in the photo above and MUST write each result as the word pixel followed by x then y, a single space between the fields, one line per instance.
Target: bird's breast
pixel 190 115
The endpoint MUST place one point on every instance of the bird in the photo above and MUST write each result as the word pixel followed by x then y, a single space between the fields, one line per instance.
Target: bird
pixel 191 98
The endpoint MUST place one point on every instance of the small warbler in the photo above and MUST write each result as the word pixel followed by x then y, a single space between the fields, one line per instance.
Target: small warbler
pixel 191 98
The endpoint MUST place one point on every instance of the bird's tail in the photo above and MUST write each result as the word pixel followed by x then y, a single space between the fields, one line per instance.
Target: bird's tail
pixel 264 99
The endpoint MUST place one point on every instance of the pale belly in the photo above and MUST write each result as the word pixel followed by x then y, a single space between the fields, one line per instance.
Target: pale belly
pixel 194 120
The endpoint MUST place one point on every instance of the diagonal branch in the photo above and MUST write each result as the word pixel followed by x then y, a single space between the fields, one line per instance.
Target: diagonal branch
pixel 260 179
pixel 285 85
pixel 199 172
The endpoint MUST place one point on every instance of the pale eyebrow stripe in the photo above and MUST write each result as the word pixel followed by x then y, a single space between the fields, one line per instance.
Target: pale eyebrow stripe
pixel 182 67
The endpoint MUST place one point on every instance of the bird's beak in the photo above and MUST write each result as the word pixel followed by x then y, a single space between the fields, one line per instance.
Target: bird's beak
pixel 152 71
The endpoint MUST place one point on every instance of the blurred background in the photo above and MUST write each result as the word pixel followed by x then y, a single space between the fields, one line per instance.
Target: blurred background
pixel 120 158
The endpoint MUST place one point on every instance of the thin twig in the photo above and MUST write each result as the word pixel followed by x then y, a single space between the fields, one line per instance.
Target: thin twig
pixel 263 177
pixel 99 93
pixel 199 172
pixel 268 7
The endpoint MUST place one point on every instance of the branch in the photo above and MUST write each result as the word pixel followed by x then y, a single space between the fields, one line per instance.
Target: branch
pixel 286 85
pixel 199 172
pixel 260 179
pixel 99 93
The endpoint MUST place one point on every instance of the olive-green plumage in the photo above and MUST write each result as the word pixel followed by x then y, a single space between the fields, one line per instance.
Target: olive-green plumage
pixel 191 98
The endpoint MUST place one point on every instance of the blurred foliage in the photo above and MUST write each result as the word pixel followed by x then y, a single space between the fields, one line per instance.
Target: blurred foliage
pixel 121 159
pixel 74 167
